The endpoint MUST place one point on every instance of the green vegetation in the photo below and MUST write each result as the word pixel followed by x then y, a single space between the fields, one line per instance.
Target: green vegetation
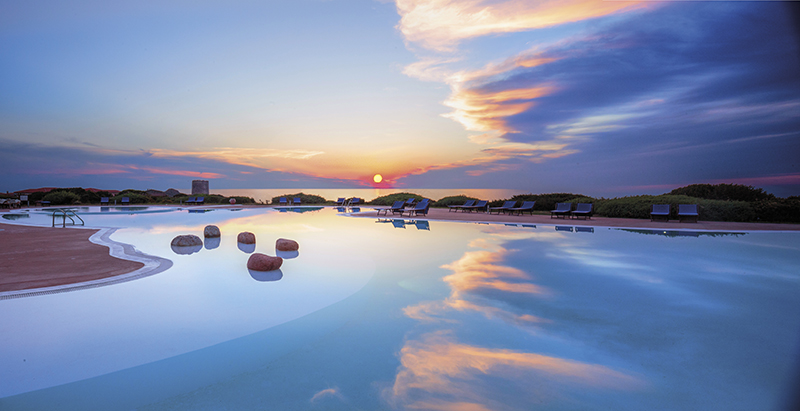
pixel 452 200
pixel 304 198
pixel 720 202
pixel 62 197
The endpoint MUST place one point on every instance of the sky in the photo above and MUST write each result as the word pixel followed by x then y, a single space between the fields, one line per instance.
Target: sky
pixel 604 98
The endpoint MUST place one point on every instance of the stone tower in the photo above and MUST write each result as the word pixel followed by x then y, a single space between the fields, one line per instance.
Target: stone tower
pixel 199 187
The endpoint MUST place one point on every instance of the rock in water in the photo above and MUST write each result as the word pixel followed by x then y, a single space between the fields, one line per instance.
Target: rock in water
pixel 211 231
pixel 263 262
pixel 286 245
pixel 187 240
pixel 246 237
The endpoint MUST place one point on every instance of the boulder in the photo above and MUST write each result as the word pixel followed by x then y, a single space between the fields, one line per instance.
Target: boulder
pixel 286 245
pixel 246 237
pixel 263 262
pixel 211 231
pixel 187 240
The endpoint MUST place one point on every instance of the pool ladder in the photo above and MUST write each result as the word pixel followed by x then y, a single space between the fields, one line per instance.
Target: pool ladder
pixel 66 213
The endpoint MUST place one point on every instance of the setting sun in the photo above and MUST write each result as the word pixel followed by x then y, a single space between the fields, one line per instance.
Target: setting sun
pixel 377 178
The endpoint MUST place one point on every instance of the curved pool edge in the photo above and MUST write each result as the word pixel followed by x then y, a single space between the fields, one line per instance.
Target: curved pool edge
pixel 152 265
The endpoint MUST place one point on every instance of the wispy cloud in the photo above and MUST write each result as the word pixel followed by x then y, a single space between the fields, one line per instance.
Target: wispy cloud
pixel 442 24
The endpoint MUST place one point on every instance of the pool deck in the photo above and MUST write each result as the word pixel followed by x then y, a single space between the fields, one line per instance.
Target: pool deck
pixel 36 257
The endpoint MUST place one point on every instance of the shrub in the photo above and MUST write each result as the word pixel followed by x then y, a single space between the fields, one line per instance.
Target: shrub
pixel 710 210
pixel 389 199
pixel 135 197
pixel 61 197
pixel 452 200
pixel 778 210
pixel 304 198
pixel 731 192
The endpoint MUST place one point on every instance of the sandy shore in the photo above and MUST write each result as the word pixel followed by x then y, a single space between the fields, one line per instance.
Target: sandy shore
pixel 35 257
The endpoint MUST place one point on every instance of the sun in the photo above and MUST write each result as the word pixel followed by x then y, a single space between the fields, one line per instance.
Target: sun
pixel 377 178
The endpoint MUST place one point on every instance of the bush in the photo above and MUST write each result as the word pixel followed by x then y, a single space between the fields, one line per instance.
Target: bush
pixel 135 197
pixel 61 197
pixel 452 200
pixel 710 210
pixel 778 210
pixel 731 192
pixel 388 200
pixel 304 198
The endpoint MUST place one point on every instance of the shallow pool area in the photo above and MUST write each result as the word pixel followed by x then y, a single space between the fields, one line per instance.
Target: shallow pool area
pixel 415 314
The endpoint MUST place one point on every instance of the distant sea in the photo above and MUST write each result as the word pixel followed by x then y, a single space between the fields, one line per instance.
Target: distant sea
pixel 266 194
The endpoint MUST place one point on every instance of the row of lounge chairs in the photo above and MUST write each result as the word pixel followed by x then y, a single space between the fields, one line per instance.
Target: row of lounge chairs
pixel 685 212
pixel 401 207
pixel 283 201
pixel 123 200
pixel 564 210
pixel 509 207
pixel 10 203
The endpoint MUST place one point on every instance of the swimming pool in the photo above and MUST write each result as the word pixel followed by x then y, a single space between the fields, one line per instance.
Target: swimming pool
pixel 416 314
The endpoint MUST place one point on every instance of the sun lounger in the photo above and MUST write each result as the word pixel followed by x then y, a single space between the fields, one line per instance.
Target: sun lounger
pixel 582 210
pixel 527 207
pixel 420 208
pixel 468 203
pixel 125 200
pixel 423 225
pixel 355 201
pixel 562 210
pixel 507 205
pixel 659 211
pixel 296 201
pixel 189 200
pixel 340 201
pixel 397 207
pixel 687 211
pixel 479 206
pixel 103 200
pixel 283 201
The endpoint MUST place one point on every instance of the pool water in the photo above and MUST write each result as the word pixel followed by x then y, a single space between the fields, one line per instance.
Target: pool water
pixel 416 314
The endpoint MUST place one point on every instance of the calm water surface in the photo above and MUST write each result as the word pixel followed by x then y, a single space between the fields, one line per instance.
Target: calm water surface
pixel 410 314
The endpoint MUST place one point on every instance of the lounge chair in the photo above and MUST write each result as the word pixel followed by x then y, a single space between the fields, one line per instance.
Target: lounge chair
pixel 190 200
pixel 125 200
pixel 527 206
pixel 421 208
pixel 199 200
pixel 687 211
pixel 397 207
pixel 283 201
pixel 468 203
pixel 507 205
pixel 659 211
pixel 479 206
pixel 583 210
pixel 340 201
pixel 562 210
pixel 103 200
pixel 423 225
pixel 296 201
pixel 354 202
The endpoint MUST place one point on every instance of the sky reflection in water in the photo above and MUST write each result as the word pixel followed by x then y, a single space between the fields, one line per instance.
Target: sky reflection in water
pixel 440 316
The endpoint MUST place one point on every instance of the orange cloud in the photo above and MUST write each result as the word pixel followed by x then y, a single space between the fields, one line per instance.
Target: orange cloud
pixel 437 368
pixel 441 24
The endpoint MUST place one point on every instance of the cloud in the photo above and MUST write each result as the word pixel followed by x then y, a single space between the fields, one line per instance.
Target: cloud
pixel 442 24
pixel 669 91
pixel 440 371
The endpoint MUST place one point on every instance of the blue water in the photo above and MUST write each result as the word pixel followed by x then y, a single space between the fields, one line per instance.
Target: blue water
pixel 413 314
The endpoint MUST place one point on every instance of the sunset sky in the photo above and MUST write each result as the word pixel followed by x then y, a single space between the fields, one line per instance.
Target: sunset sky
pixel 605 98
